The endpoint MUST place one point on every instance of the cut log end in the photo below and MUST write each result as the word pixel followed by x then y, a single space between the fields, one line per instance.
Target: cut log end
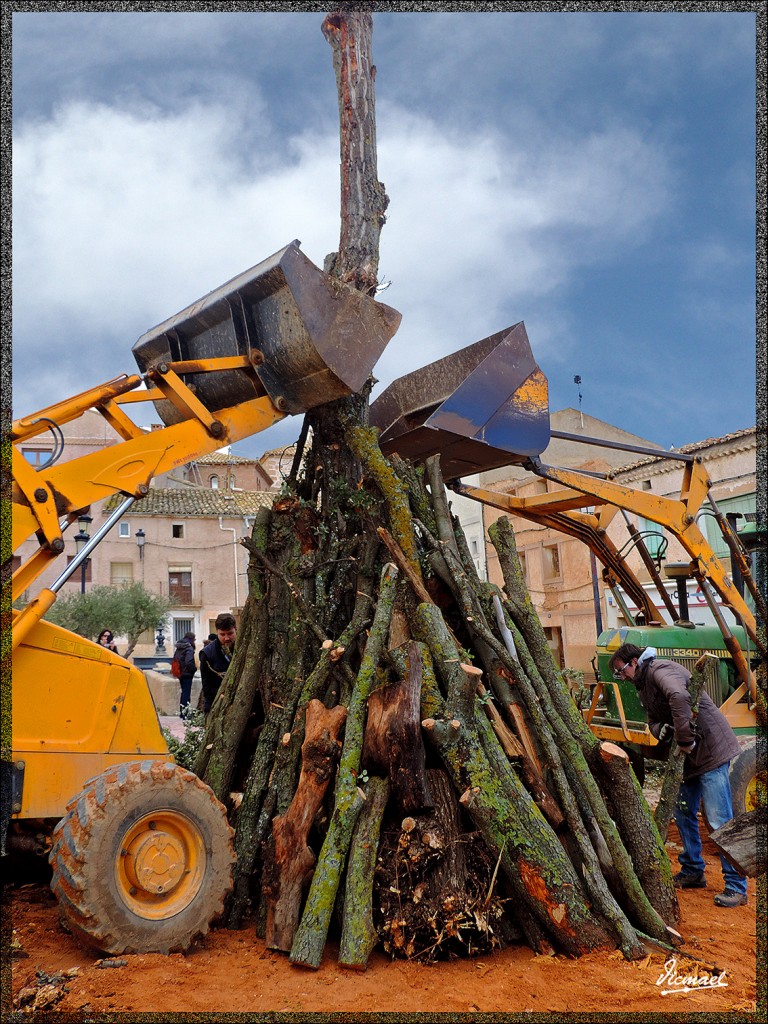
pixel 610 750
pixel 305 964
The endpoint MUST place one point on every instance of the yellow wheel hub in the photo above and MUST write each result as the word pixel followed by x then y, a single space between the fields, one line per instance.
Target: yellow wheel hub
pixel 160 865
pixel 756 792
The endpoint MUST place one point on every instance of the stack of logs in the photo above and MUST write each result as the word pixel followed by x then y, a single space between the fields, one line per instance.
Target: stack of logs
pixel 414 772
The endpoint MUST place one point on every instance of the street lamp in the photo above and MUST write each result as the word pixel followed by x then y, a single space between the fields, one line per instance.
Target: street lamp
pixel 81 539
pixel 141 541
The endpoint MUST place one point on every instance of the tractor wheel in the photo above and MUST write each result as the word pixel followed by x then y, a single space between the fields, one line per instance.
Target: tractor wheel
pixel 747 775
pixel 142 859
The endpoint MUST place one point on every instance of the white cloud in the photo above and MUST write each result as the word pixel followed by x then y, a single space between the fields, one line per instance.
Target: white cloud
pixel 123 217
pixel 482 234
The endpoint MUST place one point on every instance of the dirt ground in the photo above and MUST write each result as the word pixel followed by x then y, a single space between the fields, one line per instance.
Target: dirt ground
pixel 231 971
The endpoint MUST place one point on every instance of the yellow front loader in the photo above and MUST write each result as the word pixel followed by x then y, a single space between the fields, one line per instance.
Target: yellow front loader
pixel 140 848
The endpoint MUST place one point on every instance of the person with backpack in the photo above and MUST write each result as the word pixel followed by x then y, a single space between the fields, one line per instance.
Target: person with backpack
pixel 215 658
pixel 183 668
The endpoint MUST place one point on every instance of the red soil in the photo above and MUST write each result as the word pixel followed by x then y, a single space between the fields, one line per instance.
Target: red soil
pixel 231 971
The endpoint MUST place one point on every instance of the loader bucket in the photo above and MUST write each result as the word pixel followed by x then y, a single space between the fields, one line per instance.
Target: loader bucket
pixel 483 407
pixel 317 339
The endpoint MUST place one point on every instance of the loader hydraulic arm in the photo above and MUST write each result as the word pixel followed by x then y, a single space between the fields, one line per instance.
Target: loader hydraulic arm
pixel 558 509
pixel 282 337
pixel 41 498
pixel 677 516
pixel 588 527
pixel 46 501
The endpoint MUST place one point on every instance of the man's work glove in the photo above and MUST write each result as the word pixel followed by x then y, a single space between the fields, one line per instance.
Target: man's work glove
pixel 689 750
pixel 665 733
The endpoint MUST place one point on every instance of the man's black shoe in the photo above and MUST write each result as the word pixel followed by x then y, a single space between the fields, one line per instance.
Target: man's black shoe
pixel 686 880
pixel 730 898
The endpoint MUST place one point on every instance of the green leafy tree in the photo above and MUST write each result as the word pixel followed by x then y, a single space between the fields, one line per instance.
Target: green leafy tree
pixel 128 611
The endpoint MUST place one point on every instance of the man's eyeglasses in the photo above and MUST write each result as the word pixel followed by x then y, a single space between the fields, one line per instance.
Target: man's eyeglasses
pixel 618 673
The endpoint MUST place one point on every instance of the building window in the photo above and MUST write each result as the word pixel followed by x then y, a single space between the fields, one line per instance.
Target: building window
pixel 124 529
pixel 214 482
pixel 77 577
pixel 36 456
pixel 180 586
pixel 744 508
pixel 178 531
pixel 120 573
pixel 554 637
pixel 180 627
pixel 551 562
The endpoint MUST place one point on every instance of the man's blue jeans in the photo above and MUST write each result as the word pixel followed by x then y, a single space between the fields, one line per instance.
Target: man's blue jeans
pixel 713 790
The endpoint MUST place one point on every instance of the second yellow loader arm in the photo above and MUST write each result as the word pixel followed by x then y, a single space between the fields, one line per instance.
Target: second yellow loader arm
pixel 558 509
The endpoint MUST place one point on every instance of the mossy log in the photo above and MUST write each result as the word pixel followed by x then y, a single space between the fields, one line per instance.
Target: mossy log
pixel 290 860
pixel 309 941
pixel 635 846
pixel 358 931
pixel 515 830
pixel 393 744
pixel 242 682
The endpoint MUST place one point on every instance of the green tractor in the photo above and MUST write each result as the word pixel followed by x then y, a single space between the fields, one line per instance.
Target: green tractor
pixel 616 713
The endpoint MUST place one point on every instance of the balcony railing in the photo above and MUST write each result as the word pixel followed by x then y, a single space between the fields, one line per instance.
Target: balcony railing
pixel 184 597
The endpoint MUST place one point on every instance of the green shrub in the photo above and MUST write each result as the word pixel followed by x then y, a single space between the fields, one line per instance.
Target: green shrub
pixel 185 751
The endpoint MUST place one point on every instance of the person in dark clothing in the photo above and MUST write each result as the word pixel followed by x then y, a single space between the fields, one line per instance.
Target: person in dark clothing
pixel 709 745
pixel 184 653
pixel 215 658
pixel 107 640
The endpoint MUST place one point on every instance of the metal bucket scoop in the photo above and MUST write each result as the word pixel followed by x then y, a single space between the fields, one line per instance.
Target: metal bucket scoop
pixel 310 339
pixel 482 407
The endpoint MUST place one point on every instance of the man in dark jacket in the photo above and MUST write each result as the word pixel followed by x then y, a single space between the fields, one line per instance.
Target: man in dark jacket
pixel 709 744
pixel 215 658
pixel 184 653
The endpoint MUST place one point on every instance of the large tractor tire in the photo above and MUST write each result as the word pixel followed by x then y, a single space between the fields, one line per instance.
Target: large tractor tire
pixel 142 859
pixel 747 775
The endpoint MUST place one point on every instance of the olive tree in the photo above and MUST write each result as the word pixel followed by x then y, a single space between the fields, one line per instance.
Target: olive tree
pixel 128 611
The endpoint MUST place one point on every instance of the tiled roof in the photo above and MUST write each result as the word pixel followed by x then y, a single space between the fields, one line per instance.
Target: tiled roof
pixel 689 449
pixel 286 449
pixel 198 501
pixel 222 459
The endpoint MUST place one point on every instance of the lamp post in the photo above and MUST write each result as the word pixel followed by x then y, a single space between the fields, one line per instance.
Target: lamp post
pixel 141 540
pixel 81 539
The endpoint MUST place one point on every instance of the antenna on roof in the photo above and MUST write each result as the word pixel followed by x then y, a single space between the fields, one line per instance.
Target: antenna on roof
pixel 577 381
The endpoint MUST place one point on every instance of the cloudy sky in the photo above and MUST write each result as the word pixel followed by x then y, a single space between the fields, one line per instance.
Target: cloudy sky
pixel 590 173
